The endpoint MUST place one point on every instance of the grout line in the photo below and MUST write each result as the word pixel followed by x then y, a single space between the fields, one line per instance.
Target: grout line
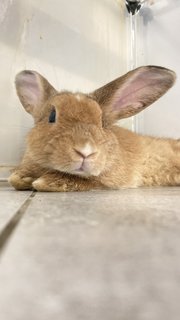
pixel 8 230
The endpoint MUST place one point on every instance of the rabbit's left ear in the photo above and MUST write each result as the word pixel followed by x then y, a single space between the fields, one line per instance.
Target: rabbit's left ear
pixel 133 92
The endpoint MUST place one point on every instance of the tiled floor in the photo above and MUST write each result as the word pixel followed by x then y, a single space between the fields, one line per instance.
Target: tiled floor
pixel 93 255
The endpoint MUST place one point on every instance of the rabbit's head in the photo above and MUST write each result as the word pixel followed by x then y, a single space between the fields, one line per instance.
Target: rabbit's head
pixel 73 131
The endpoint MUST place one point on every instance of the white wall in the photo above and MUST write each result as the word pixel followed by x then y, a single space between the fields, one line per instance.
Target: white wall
pixel 77 45
pixel 161 38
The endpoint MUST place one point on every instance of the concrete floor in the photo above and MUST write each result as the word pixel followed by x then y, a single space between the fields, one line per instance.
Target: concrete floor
pixel 101 255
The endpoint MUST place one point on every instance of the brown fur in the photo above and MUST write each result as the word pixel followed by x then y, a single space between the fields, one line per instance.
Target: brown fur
pixel 114 157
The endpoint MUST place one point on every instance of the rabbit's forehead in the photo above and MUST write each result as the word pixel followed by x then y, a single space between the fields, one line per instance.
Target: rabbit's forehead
pixel 71 99
pixel 75 103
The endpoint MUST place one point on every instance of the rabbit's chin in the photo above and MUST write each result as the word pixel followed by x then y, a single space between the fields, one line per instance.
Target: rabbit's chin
pixel 83 173
pixel 79 172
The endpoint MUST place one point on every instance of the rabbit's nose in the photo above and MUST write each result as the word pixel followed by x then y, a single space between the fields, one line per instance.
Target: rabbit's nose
pixel 85 151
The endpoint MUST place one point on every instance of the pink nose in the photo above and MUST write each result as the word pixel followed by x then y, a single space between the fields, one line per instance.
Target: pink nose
pixel 85 151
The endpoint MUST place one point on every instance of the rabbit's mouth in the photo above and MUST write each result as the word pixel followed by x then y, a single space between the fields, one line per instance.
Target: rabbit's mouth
pixel 85 170
pixel 84 167
pixel 80 170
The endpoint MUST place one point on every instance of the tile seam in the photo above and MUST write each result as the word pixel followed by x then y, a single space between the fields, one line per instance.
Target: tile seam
pixel 9 228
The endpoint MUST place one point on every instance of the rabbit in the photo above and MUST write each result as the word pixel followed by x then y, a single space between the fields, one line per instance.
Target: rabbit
pixel 76 145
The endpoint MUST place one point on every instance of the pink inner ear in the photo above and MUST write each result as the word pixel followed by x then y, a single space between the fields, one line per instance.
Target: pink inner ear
pixel 137 90
pixel 28 86
pixel 127 96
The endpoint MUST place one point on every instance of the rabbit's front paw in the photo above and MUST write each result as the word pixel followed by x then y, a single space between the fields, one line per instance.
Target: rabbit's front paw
pixel 60 182
pixel 20 182
pixel 42 184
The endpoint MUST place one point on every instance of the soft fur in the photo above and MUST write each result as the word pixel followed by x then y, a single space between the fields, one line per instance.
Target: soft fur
pixel 84 149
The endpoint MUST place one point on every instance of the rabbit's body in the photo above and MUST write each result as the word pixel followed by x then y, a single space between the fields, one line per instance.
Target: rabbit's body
pixel 160 162
pixel 151 161
pixel 143 161
pixel 75 145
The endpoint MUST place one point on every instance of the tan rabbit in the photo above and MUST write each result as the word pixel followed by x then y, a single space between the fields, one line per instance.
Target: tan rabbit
pixel 75 144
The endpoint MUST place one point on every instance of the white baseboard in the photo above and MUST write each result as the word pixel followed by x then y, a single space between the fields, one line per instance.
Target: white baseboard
pixel 5 172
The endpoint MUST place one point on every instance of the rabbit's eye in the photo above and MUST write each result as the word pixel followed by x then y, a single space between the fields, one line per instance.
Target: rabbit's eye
pixel 52 116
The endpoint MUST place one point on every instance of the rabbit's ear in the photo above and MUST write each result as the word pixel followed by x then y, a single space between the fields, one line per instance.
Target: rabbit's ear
pixel 133 92
pixel 33 91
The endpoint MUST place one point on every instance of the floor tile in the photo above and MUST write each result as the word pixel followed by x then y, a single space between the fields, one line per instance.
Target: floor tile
pixel 95 255
pixel 150 207
pixel 10 202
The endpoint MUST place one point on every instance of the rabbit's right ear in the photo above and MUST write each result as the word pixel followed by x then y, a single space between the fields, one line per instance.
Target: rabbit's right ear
pixel 33 91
